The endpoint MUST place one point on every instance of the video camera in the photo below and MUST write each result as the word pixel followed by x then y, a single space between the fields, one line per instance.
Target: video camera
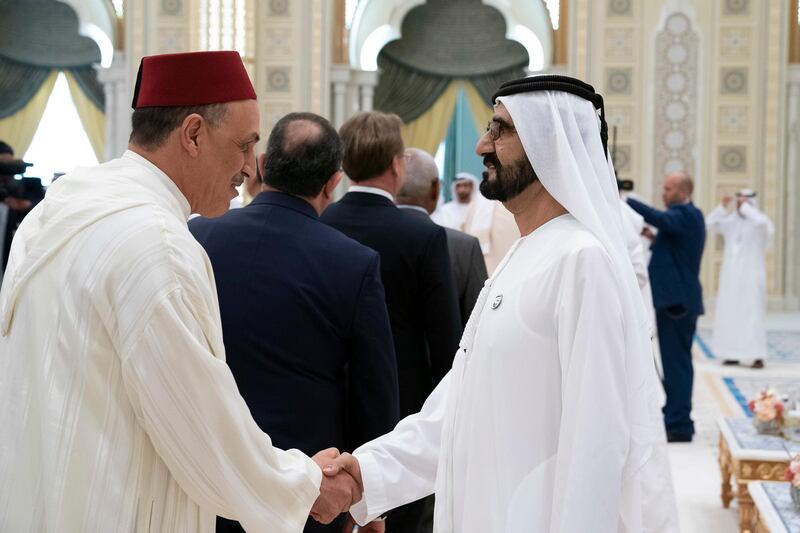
pixel 11 168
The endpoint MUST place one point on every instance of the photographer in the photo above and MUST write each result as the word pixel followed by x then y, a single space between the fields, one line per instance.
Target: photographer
pixel 17 198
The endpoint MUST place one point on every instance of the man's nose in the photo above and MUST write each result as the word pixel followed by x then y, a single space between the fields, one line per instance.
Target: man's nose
pixel 485 145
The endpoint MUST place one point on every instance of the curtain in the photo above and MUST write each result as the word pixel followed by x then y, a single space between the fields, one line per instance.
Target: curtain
pixel 427 131
pixel 86 78
pixel 481 111
pixel 406 91
pixel 487 84
pixel 91 115
pixel 19 128
pixel 18 84
pixel 462 138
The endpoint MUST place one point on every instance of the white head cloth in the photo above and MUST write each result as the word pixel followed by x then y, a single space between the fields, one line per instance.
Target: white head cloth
pixel 464 176
pixel 560 133
pixel 749 195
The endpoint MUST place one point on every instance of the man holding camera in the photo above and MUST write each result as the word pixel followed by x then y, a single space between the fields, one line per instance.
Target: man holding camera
pixel 17 198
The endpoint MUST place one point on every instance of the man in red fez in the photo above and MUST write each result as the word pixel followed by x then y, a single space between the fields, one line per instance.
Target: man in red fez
pixel 117 409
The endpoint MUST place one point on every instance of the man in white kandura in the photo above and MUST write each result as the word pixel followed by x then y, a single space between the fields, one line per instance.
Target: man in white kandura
pixel 117 410
pixel 454 213
pixel 739 333
pixel 549 420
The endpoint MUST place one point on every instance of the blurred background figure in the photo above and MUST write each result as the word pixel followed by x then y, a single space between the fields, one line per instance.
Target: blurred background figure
pixel 739 333
pixel 419 194
pixel 454 213
pixel 677 295
pixel 17 198
pixel 494 227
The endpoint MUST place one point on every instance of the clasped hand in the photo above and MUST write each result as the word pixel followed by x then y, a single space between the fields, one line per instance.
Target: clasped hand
pixel 341 485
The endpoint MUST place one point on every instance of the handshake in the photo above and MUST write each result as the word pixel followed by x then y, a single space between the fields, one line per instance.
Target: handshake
pixel 341 488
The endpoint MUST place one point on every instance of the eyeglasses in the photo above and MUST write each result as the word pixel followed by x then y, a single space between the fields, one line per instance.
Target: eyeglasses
pixel 495 129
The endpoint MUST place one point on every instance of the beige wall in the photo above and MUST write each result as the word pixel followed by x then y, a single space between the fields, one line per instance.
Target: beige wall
pixel 287 51
pixel 722 64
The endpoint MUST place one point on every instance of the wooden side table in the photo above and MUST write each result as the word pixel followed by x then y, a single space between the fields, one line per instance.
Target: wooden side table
pixel 747 456
pixel 774 511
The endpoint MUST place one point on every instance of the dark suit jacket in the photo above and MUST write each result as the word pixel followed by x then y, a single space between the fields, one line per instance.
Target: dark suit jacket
pixel 25 189
pixel 305 325
pixel 466 263
pixel 420 293
pixel 675 264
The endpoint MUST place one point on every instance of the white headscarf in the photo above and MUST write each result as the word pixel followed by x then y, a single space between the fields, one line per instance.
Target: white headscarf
pixel 464 176
pixel 560 133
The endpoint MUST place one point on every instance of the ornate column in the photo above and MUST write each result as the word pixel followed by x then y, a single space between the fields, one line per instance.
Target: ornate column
pixel 118 108
pixel 340 79
pixel 366 81
pixel 792 265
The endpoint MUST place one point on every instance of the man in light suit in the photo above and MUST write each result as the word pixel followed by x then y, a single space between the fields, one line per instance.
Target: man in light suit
pixel 419 194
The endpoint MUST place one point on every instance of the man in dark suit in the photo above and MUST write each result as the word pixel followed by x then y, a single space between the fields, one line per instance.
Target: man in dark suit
pixel 677 295
pixel 17 196
pixel 415 266
pixel 419 195
pixel 304 318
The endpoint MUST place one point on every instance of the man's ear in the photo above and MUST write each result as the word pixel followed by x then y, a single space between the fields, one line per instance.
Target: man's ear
pixel 332 183
pixel 191 129
pixel 260 162
pixel 399 165
pixel 435 187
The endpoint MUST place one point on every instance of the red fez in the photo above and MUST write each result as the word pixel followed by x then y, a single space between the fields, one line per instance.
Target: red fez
pixel 193 78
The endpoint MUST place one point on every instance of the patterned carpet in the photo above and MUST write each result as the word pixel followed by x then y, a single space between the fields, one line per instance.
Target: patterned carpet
pixel 782 346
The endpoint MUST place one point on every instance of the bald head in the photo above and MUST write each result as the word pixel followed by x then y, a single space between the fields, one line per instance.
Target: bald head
pixel 421 186
pixel 304 153
pixel 678 188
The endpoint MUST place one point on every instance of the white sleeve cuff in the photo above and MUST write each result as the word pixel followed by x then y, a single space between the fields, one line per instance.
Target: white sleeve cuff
pixel 374 503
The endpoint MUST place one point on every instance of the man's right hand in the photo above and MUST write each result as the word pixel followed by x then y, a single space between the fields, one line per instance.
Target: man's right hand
pixel 338 490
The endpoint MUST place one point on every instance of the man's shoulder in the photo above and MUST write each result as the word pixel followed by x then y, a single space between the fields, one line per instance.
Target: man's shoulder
pixel 342 245
pixel 461 239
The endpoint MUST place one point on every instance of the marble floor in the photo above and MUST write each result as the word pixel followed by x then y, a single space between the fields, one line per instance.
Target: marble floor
pixel 694 465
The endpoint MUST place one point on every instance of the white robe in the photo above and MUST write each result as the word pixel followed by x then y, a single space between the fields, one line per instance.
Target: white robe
pixel 118 412
pixel 452 215
pixel 742 298
pixel 529 431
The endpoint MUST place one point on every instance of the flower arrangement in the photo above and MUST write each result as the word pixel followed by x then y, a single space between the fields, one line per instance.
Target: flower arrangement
pixel 768 412
pixel 792 474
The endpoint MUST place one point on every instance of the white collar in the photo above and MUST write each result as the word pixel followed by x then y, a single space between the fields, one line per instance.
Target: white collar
pixel 414 208
pixel 180 200
pixel 371 190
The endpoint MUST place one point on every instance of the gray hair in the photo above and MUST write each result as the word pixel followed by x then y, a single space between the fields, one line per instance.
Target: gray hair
pixel 421 170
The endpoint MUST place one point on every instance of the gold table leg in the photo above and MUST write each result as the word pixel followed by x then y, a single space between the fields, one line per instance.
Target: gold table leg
pixel 746 508
pixel 725 470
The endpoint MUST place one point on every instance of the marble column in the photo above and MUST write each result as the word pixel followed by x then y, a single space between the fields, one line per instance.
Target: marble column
pixel 118 107
pixel 367 81
pixel 340 80
pixel 792 265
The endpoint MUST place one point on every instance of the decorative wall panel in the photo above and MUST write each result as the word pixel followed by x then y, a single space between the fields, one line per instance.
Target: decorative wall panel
pixel 675 97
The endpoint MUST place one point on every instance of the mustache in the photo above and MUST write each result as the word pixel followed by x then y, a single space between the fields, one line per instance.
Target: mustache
pixel 491 159
pixel 238 179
